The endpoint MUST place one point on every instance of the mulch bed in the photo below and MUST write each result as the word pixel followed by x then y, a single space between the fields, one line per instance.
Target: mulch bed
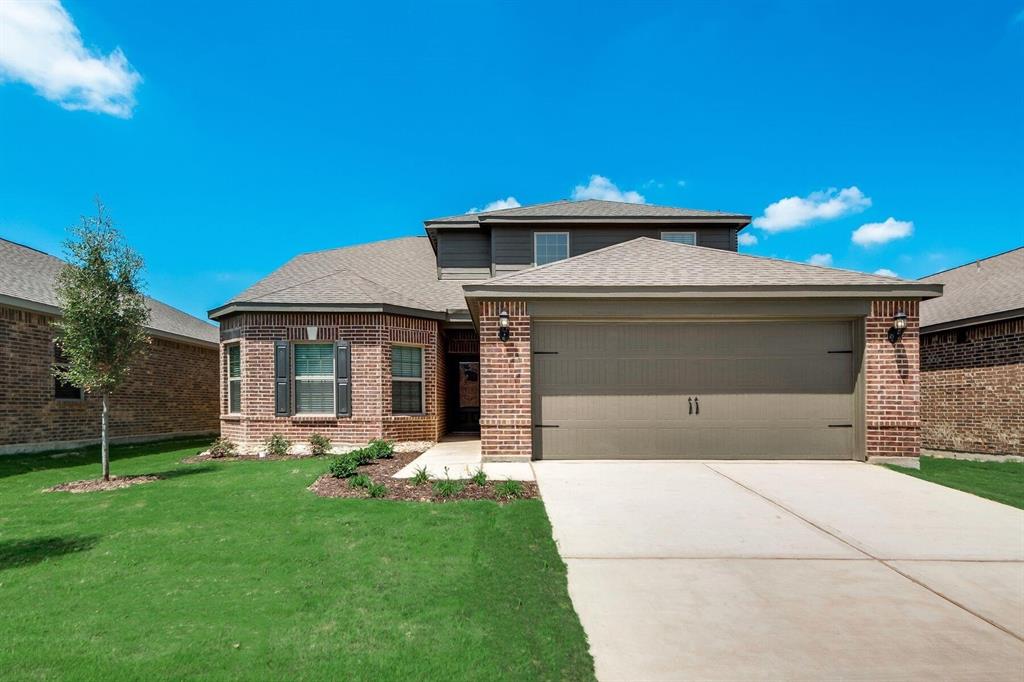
pixel 99 485
pixel 381 471
pixel 415 449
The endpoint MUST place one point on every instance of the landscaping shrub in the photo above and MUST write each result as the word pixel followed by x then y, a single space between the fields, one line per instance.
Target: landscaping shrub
pixel 319 445
pixel 479 477
pixel 278 445
pixel 343 467
pixel 222 447
pixel 509 490
pixel 377 490
pixel 364 455
pixel 381 449
pixel 446 487
pixel 360 481
pixel 420 476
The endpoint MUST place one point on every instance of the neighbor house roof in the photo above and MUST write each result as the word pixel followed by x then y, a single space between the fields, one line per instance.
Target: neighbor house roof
pixel 652 267
pixel 587 210
pixel 397 275
pixel 28 278
pixel 985 290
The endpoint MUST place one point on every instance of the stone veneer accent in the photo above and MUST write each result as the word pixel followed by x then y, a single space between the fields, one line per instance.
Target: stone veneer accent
pixel 892 387
pixel 506 417
pixel 972 389
pixel 171 391
pixel 371 336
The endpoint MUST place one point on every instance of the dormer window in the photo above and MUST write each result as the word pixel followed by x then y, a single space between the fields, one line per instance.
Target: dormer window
pixel 549 247
pixel 680 237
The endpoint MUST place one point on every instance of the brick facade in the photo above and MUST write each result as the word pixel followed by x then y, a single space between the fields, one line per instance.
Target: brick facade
pixel 171 390
pixel 972 389
pixel 371 336
pixel 506 418
pixel 892 396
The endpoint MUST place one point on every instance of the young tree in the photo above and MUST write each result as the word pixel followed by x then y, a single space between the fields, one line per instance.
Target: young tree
pixel 104 313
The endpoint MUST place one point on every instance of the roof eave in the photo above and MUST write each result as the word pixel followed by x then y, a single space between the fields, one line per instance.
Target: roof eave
pixel 1000 316
pixel 263 307
pixel 910 290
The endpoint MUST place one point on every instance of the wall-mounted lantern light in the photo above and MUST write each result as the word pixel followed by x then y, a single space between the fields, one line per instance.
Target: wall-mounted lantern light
pixel 899 324
pixel 503 325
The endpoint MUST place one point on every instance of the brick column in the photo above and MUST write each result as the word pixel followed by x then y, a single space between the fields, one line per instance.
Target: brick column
pixel 892 383
pixel 506 420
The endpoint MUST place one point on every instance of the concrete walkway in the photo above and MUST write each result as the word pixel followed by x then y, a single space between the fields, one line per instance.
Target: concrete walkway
pixel 461 456
pixel 787 570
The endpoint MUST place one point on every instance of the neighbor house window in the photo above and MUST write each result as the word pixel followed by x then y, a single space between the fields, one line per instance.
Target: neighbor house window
pixel 549 247
pixel 314 378
pixel 234 379
pixel 406 380
pixel 62 390
pixel 680 237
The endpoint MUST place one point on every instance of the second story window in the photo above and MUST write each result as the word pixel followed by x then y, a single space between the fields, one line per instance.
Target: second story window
pixel 680 237
pixel 549 247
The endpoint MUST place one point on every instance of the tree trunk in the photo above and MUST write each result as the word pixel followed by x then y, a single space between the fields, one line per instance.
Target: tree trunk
pixel 104 445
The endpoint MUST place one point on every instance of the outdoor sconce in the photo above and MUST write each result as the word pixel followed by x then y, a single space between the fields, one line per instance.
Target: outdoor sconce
pixel 503 325
pixel 899 324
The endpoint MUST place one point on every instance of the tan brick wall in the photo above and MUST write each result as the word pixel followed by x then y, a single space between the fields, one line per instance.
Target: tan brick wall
pixel 892 383
pixel 506 420
pixel 172 389
pixel 972 389
pixel 371 336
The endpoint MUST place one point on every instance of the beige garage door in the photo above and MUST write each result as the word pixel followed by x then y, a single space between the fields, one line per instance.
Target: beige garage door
pixel 694 390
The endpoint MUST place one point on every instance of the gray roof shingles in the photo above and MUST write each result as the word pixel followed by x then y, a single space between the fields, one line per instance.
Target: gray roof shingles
pixel 30 275
pixel 986 287
pixel 590 208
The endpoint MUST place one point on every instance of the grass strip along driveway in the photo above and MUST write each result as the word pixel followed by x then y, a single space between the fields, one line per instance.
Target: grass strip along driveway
pixel 235 570
pixel 999 481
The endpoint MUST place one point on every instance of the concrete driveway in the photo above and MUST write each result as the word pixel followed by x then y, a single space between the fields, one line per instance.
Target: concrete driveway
pixel 787 570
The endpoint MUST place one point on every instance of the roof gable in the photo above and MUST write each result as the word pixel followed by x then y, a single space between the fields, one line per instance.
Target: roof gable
pixel 990 286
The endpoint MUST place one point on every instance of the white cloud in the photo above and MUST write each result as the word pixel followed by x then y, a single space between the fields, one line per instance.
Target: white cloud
pixel 872 234
pixel 829 204
pixel 747 238
pixel 601 187
pixel 681 183
pixel 497 205
pixel 886 272
pixel 40 45
pixel 821 259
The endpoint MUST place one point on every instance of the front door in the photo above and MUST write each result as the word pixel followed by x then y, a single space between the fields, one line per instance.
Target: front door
pixel 463 394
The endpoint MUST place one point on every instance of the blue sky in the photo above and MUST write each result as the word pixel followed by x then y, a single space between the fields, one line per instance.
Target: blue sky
pixel 226 138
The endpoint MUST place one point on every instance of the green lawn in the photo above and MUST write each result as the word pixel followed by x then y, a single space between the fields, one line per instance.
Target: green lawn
pixel 999 481
pixel 235 570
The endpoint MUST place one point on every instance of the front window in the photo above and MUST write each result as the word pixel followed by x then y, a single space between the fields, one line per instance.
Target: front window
pixel 314 378
pixel 234 379
pixel 62 390
pixel 406 380
pixel 549 247
pixel 680 237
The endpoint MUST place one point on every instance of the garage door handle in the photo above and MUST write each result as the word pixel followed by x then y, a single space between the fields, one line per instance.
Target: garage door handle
pixel 690 401
pixel 696 404
pixel 545 426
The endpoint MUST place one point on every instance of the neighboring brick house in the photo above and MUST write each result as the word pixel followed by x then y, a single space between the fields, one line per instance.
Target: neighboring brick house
pixel 171 390
pixel 588 329
pixel 972 358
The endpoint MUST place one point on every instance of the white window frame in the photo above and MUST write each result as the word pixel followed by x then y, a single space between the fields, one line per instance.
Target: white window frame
pixel 421 379
pixel 674 232
pixel 568 246
pixel 227 350
pixel 332 377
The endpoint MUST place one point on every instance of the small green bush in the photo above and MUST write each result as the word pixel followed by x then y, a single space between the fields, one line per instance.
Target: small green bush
pixel 420 476
pixel 319 445
pixel 364 455
pixel 381 449
pixel 509 490
pixel 343 467
pixel 360 481
pixel 479 477
pixel 377 490
pixel 278 445
pixel 222 447
pixel 446 487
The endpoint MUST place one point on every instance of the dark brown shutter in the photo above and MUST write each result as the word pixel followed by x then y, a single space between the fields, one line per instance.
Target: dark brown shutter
pixel 282 379
pixel 343 377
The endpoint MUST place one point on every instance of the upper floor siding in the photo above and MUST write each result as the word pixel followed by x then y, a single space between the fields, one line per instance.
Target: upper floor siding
pixel 488 252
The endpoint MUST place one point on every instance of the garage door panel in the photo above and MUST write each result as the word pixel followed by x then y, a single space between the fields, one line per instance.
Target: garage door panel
pixel 765 390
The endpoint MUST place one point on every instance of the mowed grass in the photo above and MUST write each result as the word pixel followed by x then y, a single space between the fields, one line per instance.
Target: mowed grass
pixel 999 481
pixel 233 570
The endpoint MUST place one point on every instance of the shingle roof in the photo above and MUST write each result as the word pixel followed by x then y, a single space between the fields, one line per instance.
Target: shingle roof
pixel 982 288
pixel 29 275
pixel 646 262
pixel 590 208
pixel 398 272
